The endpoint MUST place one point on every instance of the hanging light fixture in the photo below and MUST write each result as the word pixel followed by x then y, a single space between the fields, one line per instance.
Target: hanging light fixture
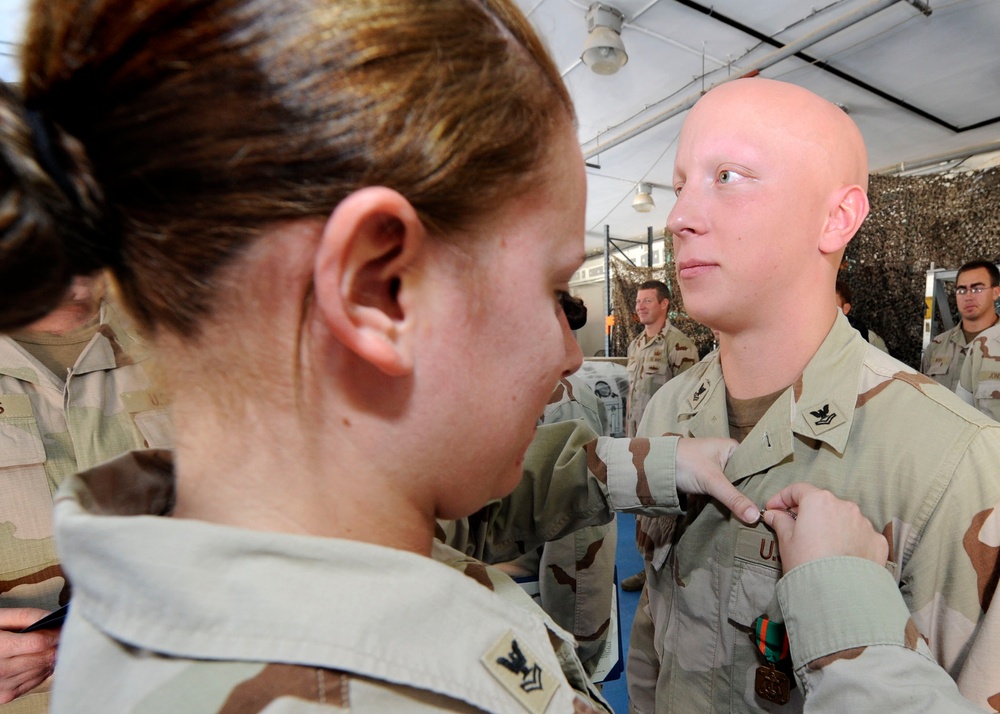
pixel 643 201
pixel 604 51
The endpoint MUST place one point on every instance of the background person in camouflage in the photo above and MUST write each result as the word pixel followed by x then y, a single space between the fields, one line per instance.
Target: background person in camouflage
pixel 657 354
pixel 979 382
pixel 576 572
pixel 771 183
pixel 76 388
pixel 977 288
pixel 844 298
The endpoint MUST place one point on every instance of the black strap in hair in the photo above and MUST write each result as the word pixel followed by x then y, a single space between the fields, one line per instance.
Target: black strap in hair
pixel 42 132
pixel 95 247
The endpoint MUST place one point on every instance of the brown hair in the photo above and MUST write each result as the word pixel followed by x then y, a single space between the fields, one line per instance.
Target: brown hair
pixel 204 121
pixel 662 291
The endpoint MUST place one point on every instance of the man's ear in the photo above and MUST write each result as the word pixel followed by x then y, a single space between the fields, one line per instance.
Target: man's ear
pixel 848 210
pixel 370 240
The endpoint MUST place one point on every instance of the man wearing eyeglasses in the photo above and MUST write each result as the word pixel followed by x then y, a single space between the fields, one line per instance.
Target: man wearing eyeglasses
pixel 977 287
pixel 979 380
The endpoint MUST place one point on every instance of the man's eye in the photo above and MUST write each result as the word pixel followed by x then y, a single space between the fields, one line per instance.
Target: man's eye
pixel 728 176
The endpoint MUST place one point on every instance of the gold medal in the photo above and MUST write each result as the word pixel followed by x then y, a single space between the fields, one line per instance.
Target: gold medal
pixel 772 685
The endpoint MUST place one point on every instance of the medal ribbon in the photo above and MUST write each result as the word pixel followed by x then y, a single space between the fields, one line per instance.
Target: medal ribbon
pixel 770 639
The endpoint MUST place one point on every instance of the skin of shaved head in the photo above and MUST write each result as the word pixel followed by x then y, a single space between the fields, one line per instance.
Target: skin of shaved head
pixel 771 183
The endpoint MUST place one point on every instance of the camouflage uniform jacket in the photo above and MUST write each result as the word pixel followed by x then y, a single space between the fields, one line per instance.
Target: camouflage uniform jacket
pixel 919 463
pixel 576 572
pixel 187 616
pixel 837 608
pixel 943 358
pixel 52 426
pixel 979 383
pixel 652 363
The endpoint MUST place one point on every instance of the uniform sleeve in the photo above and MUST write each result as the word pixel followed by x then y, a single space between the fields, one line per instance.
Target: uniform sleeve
pixel 572 479
pixel 877 342
pixel 854 646
pixel 950 579
pixel 926 357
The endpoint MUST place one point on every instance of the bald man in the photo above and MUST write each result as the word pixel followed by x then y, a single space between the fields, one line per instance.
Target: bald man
pixel 771 185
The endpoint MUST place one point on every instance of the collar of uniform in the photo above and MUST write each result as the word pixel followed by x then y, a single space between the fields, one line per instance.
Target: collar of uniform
pixel 990 335
pixel 814 407
pixel 16 362
pixel 204 591
pixel 955 335
pixel 643 341
pixel 115 345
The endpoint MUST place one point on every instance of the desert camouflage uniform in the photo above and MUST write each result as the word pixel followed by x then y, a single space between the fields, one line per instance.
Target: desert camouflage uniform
pixel 944 356
pixel 838 608
pixel 922 468
pixel 576 572
pixel 979 383
pixel 651 364
pixel 173 615
pixel 50 428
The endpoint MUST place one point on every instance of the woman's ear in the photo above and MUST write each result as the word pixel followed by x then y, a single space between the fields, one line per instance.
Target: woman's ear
pixel 368 244
pixel 848 210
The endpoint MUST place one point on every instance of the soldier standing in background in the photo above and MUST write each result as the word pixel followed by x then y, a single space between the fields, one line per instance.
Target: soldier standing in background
pixel 977 287
pixel 844 298
pixel 657 354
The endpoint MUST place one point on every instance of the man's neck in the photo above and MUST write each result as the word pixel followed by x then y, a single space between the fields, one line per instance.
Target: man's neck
pixel 761 361
pixel 655 329
pixel 65 318
pixel 980 324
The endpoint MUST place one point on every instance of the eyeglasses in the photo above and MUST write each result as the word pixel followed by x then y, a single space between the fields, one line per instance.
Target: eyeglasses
pixel 576 311
pixel 975 289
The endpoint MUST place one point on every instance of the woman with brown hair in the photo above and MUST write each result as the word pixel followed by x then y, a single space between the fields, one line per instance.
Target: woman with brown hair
pixel 327 215
pixel 338 221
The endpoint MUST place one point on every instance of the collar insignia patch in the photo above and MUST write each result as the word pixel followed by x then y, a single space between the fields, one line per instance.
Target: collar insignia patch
pixel 823 417
pixel 517 670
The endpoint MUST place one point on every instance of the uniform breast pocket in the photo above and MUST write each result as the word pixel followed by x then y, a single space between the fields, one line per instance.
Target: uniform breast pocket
pixel 20 441
pixel 25 491
pixel 988 394
pixel 756 569
pixel 938 368
pixel 656 371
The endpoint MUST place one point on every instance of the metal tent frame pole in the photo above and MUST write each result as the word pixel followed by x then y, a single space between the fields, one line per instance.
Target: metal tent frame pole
pixel 617 243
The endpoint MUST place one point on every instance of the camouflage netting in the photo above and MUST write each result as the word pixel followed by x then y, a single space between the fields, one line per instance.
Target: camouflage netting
pixel 946 219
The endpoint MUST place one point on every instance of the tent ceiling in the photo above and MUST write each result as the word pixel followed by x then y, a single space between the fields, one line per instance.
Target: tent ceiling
pixel 918 85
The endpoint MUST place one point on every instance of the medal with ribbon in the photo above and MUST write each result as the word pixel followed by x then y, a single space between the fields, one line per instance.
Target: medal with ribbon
pixel 771 641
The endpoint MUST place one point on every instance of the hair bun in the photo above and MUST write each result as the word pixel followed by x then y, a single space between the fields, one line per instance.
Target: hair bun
pixel 52 223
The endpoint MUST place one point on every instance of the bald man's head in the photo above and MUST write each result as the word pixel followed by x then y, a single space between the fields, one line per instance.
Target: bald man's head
pixel 771 185
pixel 789 113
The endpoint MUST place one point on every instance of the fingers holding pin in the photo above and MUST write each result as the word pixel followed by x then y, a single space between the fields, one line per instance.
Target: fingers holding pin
pixel 789 511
